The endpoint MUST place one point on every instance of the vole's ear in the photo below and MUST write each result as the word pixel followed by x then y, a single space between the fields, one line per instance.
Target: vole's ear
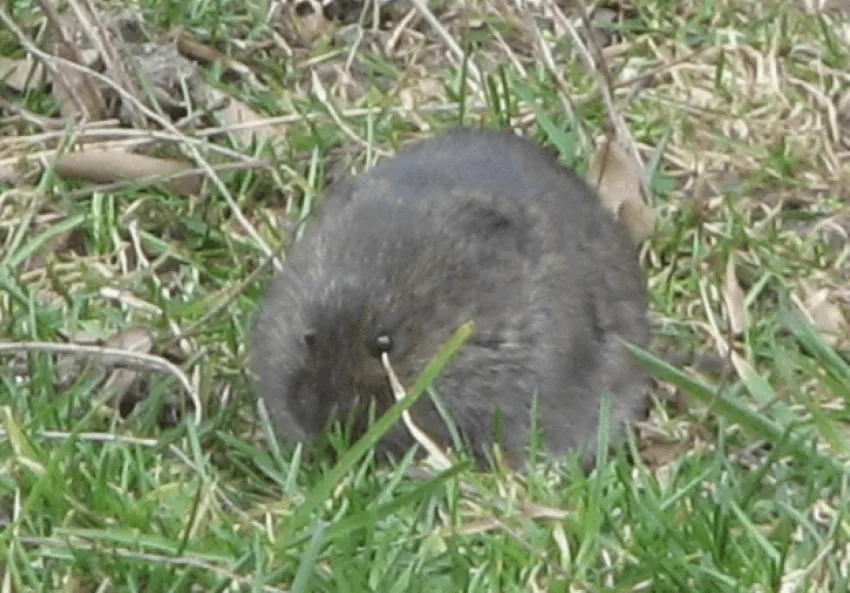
pixel 309 337
pixel 505 222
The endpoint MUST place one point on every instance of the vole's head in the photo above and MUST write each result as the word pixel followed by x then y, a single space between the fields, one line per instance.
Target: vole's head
pixel 322 354
pixel 347 294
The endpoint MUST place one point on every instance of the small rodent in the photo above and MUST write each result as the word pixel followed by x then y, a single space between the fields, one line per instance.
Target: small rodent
pixel 472 225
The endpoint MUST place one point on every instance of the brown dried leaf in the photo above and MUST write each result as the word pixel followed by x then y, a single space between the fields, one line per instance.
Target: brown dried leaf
pixel 733 296
pixel 22 75
pixel 825 315
pixel 109 166
pixel 639 218
pixel 658 453
pixel 618 183
pixel 237 112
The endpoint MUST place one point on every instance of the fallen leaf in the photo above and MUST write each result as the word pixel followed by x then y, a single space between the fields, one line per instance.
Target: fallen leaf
pixel 22 75
pixel 733 296
pixel 825 315
pixel 617 180
pixel 236 113
pixel 639 218
pixel 108 166
pixel 658 453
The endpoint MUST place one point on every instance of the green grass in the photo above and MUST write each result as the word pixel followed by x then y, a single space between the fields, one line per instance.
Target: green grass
pixel 755 497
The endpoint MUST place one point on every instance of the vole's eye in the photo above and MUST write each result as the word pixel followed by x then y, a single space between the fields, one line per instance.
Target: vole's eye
pixel 382 343
pixel 309 338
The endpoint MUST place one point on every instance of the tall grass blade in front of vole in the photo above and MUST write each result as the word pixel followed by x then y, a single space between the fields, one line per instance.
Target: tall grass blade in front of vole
pixel 319 494
pixel 301 583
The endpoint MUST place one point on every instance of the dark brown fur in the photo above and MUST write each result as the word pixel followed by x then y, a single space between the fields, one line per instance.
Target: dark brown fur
pixel 479 226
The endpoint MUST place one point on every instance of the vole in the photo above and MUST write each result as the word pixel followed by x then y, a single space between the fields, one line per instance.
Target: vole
pixel 470 225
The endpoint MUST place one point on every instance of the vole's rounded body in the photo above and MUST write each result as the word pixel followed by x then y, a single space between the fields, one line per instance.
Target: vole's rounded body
pixel 478 226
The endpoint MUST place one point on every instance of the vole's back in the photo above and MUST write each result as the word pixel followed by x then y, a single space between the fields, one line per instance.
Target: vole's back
pixel 502 163
pixel 482 226
pixel 592 285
